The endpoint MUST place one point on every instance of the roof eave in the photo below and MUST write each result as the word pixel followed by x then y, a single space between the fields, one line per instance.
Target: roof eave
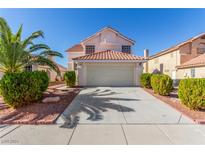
pixel 108 61
pixel 190 66
pixel 163 53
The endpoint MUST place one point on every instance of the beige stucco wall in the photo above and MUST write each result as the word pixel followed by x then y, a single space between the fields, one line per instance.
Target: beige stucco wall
pixel 168 61
pixel 107 40
pixel 186 73
pixel 52 74
pixel 73 55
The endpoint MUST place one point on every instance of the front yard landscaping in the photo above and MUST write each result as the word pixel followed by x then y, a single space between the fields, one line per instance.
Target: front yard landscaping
pixel 188 98
pixel 38 112
pixel 25 97
pixel 197 116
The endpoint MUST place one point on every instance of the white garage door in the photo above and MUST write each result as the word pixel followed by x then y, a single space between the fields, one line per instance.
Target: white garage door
pixel 110 74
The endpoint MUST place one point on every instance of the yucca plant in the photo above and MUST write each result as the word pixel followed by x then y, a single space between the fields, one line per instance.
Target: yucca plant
pixel 17 53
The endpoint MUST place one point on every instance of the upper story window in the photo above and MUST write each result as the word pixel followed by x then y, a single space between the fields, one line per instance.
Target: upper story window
pixel 201 49
pixel 126 48
pixel 28 68
pixel 89 49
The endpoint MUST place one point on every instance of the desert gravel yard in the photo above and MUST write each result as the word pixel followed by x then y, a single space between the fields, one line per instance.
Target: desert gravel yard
pixel 111 115
pixel 38 112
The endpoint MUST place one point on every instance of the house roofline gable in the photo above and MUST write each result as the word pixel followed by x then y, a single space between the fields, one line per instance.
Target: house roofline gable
pixel 111 29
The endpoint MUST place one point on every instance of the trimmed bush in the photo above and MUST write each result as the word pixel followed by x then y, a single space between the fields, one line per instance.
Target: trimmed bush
pixel 19 89
pixel 192 93
pixel 70 78
pixel 161 84
pixel 145 80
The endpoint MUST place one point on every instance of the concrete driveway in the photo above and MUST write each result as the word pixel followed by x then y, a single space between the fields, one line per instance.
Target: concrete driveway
pixel 105 115
pixel 119 105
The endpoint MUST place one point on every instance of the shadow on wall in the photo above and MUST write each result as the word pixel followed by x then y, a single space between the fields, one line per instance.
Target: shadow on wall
pixel 94 104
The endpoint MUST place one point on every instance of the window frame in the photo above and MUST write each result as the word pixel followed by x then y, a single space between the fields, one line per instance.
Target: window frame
pixel 200 50
pixel 126 48
pixel 91 49
pixel 193 72
pixel 29 68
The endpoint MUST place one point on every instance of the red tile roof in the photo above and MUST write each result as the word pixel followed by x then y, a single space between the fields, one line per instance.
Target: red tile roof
pixel 109 55
pixel 198 61
pixel 75 48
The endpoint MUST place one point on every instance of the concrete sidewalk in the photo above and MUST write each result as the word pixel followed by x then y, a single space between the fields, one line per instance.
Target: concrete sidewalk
pixel 103 134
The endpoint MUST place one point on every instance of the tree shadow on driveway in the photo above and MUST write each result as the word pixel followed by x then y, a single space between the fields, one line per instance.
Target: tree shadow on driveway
pixel 94 104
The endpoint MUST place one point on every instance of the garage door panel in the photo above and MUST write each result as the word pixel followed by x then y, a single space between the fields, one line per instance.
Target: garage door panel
pixel 110 75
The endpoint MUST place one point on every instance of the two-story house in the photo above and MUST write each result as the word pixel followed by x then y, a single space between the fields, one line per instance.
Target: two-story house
pixel 105 59
pixel 185 60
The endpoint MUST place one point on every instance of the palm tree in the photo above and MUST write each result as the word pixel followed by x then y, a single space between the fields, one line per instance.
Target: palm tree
pixel 17 53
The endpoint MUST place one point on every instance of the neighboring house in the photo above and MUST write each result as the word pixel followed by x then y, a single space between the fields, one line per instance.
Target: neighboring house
pixel 172 61
pixel 194 68
pixel 105 59
pixel 52 74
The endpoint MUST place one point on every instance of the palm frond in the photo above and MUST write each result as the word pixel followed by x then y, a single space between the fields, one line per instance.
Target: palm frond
pixel 5 31
pixel 36 47
pixel 5 27
pixel 51 53
pixel 19 33
pixel 33 36
pixel 15 53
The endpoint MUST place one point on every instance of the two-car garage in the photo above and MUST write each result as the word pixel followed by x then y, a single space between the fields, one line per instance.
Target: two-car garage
pixel 110 74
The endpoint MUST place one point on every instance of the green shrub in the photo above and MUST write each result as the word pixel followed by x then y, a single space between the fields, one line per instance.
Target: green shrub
pixel 161 84
pixel 70 78
pixel 192 93
pixel 145 80
pixel 19 89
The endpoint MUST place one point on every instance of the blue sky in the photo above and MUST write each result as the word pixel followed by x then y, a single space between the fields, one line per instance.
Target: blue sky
pixel 154 29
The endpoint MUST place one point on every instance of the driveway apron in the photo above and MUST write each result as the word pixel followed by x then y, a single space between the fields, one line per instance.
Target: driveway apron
pixel 119 105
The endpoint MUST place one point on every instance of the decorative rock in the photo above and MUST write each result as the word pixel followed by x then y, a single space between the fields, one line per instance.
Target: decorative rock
pixel 51 99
